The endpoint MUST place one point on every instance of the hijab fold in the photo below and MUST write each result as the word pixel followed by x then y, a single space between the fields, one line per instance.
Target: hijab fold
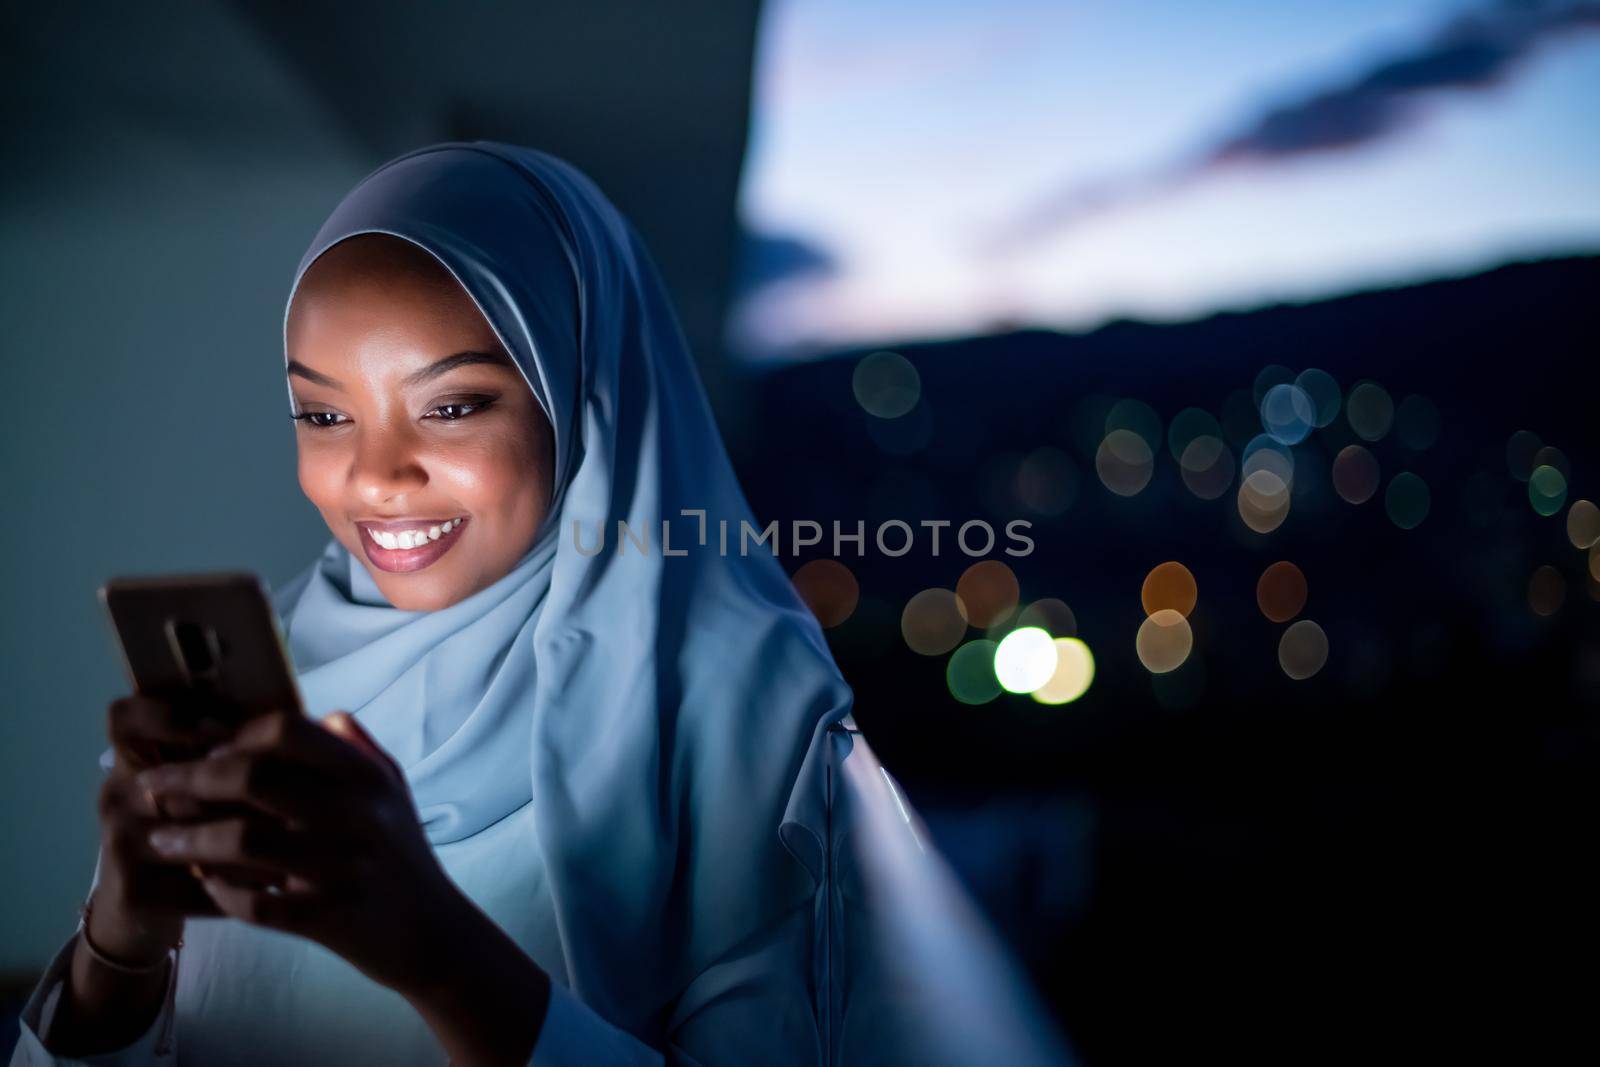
pixel 664 715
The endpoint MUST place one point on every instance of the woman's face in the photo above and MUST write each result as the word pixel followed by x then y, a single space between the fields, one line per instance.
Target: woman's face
pixel 419 440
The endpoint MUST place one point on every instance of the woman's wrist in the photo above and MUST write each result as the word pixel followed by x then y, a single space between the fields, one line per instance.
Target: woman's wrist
pixel 104 1008
pixel 121 942
pixel 483 997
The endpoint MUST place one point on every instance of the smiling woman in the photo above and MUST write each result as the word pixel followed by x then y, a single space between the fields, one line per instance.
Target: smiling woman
pixel 545 804
pixel 415 428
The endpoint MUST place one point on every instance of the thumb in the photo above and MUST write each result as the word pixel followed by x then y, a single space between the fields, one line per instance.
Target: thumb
pixel 343 724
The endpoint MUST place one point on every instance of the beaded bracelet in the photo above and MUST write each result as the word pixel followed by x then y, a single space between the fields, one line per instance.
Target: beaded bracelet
pixel 87 909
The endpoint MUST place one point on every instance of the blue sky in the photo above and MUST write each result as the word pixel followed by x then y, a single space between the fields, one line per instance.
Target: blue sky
pixel 903 141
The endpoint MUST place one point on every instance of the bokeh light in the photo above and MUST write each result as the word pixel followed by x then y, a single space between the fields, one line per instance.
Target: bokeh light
pixel 1047 481
pixel 1051 615
pixel 1547 591
pixel 1287 414
pixel 1003 625
pixel 1124 462
pixel 1272 374
pixel 1207 467
pixel 1547 490
pixel 1323 390
pixel 1303 650
pixel 1164 641
pixel 1073 675
pixel 1355 474
pixel 1407 500
pixel 988 591
pixel 1416 423
pixel 829 589
pixel 1135 416
pixel 1551 456
pixel 933 622
pixel 1169 586
pixel 1594 563
pixel 1281 592
pixel 1266 453
pixel 1263 501
pixel 1583 524
pixel 886 384
pixel 1370 411
pixel 1025 659
pixel 1520 450
pixel 1187 425
pixel 970 673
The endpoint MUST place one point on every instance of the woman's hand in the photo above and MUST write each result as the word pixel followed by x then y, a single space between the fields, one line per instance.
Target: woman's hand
pixel 140 902
pixel 315 829
pixel 308 828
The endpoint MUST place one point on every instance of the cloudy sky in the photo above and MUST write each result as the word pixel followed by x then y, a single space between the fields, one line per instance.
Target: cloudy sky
pixel 932 168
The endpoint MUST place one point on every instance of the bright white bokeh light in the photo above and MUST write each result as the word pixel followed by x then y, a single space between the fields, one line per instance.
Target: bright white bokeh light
pixel 1025 660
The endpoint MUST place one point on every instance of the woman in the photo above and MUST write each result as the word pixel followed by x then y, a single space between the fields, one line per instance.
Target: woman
pixel 577 807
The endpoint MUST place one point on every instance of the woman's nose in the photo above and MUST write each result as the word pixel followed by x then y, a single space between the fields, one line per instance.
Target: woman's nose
pixel 386 466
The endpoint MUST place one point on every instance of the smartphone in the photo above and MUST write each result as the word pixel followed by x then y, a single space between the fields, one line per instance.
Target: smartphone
pixel 211 644
pixel 210 637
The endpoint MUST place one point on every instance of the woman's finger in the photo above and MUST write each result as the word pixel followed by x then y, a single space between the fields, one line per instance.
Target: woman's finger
pixel 142 727
pixel 302 739
pixel 271 782
pixel 249 843
pixel 170 891
pixel 292 912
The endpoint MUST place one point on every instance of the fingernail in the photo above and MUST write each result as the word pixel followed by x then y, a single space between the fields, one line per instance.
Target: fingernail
pixel 167 839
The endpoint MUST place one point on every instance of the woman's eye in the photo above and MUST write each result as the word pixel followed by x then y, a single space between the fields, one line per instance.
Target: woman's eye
pixel 320 419
pixel 459 410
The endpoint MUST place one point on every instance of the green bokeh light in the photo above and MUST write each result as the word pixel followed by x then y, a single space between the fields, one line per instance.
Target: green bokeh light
pixel 970 674
pixel 1547 490
pixel 1407 500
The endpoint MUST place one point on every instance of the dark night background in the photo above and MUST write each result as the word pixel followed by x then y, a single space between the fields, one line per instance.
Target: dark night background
pixel 1387 861
pixel 1391 863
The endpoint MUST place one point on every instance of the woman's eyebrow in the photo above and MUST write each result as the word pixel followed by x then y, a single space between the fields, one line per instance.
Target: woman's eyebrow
pixel 450 363
pixel 428 373
pixel 313 376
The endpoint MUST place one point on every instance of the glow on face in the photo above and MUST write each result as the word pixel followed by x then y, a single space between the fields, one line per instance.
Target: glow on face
pixel 411 416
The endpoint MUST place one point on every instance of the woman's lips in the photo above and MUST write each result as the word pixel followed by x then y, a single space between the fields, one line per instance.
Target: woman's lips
pixel 402 560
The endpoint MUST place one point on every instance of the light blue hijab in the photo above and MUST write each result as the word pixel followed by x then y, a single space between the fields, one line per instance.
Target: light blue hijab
pixel 665 715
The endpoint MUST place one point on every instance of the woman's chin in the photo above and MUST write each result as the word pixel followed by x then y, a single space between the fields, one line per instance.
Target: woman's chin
pixel 418 592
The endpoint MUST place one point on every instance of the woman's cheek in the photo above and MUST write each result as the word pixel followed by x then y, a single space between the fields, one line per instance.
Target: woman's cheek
pixel 480 474
pixel 323 468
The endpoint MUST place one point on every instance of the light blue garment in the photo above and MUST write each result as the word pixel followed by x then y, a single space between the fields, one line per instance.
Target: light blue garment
pixel 643 737
pixel 665 714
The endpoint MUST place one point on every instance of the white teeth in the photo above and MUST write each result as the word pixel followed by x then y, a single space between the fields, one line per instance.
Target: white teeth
pixel 407 539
